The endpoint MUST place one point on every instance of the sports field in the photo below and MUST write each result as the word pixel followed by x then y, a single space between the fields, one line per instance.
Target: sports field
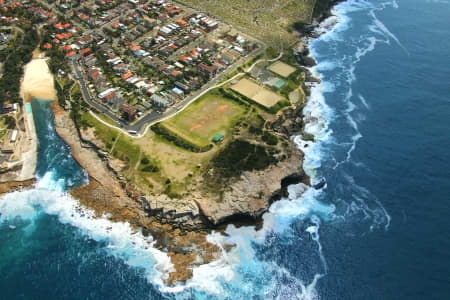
pixel 282 69
pixel 256 92
pixel 208 116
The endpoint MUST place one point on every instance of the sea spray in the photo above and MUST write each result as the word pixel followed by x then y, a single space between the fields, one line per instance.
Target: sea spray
pixel 241 271
pixel 300 205
pixel 122 241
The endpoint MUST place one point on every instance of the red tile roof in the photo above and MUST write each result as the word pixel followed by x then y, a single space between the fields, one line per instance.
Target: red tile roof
pixel 62 36
pixel 47 46
pixel 135 48
pixel 84 51
pixel 179 21
pixel 70 53
pixel 109 96
pixel 128 75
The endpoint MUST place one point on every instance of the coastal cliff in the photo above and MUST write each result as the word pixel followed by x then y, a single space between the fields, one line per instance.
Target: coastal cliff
pixel 179 226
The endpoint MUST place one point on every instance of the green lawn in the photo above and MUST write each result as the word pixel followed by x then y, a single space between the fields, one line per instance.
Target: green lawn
pixel 124 148
pixel 208 116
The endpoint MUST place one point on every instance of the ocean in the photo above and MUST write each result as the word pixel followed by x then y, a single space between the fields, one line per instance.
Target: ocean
pixel 378 229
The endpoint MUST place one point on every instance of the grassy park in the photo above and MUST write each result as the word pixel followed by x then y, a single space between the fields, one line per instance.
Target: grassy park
pixel 208 116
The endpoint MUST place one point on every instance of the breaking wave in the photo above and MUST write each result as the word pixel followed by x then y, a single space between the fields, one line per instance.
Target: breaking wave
pixel 121 240
pixel 248 270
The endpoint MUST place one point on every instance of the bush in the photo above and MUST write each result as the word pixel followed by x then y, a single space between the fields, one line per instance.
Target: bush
pixel 269 138
pixel 177 140
pixel 272 53
pixel 150 169
pixel 145 161
pixel 241 156
pixel 10 122
pixel 279 105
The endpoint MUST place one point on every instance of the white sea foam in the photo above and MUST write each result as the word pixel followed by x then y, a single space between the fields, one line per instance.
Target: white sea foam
pixel 386 31
pixel 135 249
pixel 238 271
pixel 364 102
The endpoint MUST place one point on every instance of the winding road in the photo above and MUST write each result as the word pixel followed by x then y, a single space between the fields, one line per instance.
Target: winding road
pixel 143 124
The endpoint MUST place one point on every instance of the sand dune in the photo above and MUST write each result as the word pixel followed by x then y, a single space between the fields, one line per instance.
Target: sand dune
pixel 38 81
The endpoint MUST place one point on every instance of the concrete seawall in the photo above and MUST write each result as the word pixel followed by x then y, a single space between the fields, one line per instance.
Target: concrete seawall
pixel 29 157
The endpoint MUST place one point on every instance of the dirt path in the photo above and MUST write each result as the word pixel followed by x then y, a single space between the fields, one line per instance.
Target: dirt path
pixel 115 142
pixel 139 159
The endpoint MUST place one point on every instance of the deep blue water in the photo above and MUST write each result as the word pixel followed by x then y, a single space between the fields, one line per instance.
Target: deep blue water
pixel 378 230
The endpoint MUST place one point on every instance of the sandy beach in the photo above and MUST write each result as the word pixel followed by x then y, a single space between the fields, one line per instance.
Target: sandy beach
pixel 38 81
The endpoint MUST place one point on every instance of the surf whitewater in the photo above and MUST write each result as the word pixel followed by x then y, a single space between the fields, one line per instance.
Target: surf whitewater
pixel 261 264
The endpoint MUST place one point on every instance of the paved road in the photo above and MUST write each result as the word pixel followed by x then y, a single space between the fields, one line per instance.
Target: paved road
pixel 179 109
pixel 140 125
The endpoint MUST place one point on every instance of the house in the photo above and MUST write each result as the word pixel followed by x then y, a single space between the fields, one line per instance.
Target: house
pixel 127 75
pixel 179 94
pixel 128 111
pixel 71 54
pixel 182 86
pixel 159 101
pixel 85 51
pixel 175 74
pixel 209 71
pixel 109 97
pixel 116 102
pixel 226 58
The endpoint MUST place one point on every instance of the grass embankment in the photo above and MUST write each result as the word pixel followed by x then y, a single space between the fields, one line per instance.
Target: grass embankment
pixel 156 163
pixel 117 144
pixel 152 163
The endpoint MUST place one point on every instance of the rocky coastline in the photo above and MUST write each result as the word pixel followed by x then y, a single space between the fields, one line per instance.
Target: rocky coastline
pixel 180 226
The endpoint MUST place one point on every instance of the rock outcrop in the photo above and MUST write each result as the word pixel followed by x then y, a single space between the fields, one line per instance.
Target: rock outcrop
pixel 179 226
pixel 252 193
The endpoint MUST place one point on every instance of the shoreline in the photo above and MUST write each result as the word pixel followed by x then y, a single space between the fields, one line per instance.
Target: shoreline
pixel 138 213
pixel 36 82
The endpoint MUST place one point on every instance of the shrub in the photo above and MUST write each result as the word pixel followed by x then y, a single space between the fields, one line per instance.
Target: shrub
pixel 177 140
pixel 150 169
pixel 269 138
pixel 241 156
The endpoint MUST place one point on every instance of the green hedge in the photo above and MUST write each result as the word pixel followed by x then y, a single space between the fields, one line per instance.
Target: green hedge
pixel 177 140
pixel 239 156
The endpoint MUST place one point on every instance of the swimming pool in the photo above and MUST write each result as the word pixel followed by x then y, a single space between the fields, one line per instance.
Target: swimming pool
pixel 28 107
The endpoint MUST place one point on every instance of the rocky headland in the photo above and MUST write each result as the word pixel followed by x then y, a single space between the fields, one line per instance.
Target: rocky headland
pixel 179 225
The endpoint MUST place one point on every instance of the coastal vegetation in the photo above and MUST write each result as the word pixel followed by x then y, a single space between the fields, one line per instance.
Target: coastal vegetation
pixel 18 53
pixel 269 20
